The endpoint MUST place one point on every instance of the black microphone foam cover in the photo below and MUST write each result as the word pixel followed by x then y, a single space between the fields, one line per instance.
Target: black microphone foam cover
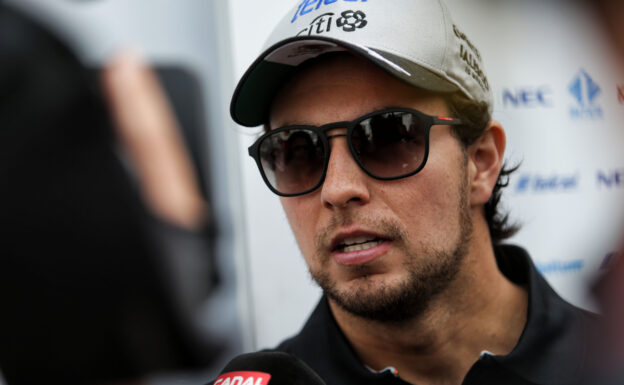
pixel 267 368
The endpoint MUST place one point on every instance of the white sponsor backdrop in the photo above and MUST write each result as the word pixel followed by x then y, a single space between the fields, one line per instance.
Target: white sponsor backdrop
pixel 555 82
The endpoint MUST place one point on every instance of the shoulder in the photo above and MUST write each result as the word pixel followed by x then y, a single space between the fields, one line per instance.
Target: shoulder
pixel 557 333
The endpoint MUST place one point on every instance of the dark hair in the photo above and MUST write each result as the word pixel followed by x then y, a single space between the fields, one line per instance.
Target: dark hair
pixel 476 117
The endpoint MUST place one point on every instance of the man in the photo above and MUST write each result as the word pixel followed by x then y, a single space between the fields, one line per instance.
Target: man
pixel 380 143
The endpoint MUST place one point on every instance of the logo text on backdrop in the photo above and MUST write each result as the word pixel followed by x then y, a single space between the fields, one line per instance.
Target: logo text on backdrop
pixel 552 267
pixel 585 92
pixel 528 97
pixel 610 179
pixel 529 183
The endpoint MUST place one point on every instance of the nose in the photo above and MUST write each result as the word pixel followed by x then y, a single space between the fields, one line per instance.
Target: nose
pixel 345 182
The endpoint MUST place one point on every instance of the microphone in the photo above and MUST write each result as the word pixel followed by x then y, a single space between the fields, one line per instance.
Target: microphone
pixel 267 368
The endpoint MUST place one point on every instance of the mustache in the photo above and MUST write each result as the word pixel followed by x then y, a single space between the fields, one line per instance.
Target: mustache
pixel 389 228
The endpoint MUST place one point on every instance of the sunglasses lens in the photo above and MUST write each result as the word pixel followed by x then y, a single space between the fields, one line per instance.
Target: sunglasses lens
pixel 391 144
pixel 292 160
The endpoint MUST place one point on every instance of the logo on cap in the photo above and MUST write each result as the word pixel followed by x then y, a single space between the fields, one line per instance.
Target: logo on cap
pixel 307 6
pixel 243 378
pixel 349 21
pixel 471 56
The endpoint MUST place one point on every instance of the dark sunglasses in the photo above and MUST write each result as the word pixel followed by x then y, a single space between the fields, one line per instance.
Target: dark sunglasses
pixel 388 144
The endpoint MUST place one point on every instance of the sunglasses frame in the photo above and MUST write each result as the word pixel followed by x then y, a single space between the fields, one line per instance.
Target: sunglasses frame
pixel 427 120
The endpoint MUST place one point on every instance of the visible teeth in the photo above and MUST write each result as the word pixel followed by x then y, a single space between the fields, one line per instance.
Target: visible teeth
pixel 361 239
pixel 361 246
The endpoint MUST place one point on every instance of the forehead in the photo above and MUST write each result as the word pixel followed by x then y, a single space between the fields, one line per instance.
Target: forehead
pixel 341 86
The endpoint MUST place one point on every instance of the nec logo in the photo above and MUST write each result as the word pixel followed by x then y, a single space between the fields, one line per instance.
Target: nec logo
pixel 243 378
pixel 553 183
pixel 528 97
pixel 611 179
pixel 585 92
pixel 307 6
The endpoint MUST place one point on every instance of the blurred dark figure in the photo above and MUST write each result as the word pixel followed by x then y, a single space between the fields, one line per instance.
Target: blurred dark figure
pixel 611 13
pixel 89 287
pixel 609 349
pixel 609 289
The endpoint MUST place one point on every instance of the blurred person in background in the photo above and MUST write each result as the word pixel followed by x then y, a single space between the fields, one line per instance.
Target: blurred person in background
pixel 88 288
pixel 609 289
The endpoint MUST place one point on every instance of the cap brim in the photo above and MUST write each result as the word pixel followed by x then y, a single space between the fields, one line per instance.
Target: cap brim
pixel 264 78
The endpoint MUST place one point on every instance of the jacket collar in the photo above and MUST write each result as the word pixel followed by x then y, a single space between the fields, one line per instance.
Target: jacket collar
pixel 553 346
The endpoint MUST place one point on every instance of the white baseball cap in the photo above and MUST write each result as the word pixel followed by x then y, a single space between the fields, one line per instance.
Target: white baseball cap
pixel 413 40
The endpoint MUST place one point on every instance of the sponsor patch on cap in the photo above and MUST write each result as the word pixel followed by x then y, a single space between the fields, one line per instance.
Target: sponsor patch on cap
pixel 243 378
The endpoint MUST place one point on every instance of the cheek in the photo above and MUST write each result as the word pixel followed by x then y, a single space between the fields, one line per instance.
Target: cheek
pixel 302 217
pixel 431 203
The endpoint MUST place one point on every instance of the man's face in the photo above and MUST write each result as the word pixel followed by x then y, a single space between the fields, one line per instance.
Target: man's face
pixel 379 249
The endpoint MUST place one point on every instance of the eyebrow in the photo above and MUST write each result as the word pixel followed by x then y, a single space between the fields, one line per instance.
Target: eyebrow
pixel 267 127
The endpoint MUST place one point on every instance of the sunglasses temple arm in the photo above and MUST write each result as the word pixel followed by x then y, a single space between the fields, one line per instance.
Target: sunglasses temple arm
pixel 441 120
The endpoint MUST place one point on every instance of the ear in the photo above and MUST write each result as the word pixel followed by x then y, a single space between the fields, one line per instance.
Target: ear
pixel 485 162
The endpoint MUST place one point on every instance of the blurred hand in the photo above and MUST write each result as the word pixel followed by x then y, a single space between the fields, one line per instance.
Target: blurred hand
pixel 149 134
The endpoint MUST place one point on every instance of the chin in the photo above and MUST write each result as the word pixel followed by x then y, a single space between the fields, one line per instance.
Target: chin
pixel 393 298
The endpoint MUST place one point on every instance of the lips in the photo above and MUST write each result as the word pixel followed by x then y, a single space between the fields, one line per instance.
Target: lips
pixel 358 248
pixel 358 243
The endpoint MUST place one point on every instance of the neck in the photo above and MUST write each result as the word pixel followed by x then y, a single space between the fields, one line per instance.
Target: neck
pixel 481 310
